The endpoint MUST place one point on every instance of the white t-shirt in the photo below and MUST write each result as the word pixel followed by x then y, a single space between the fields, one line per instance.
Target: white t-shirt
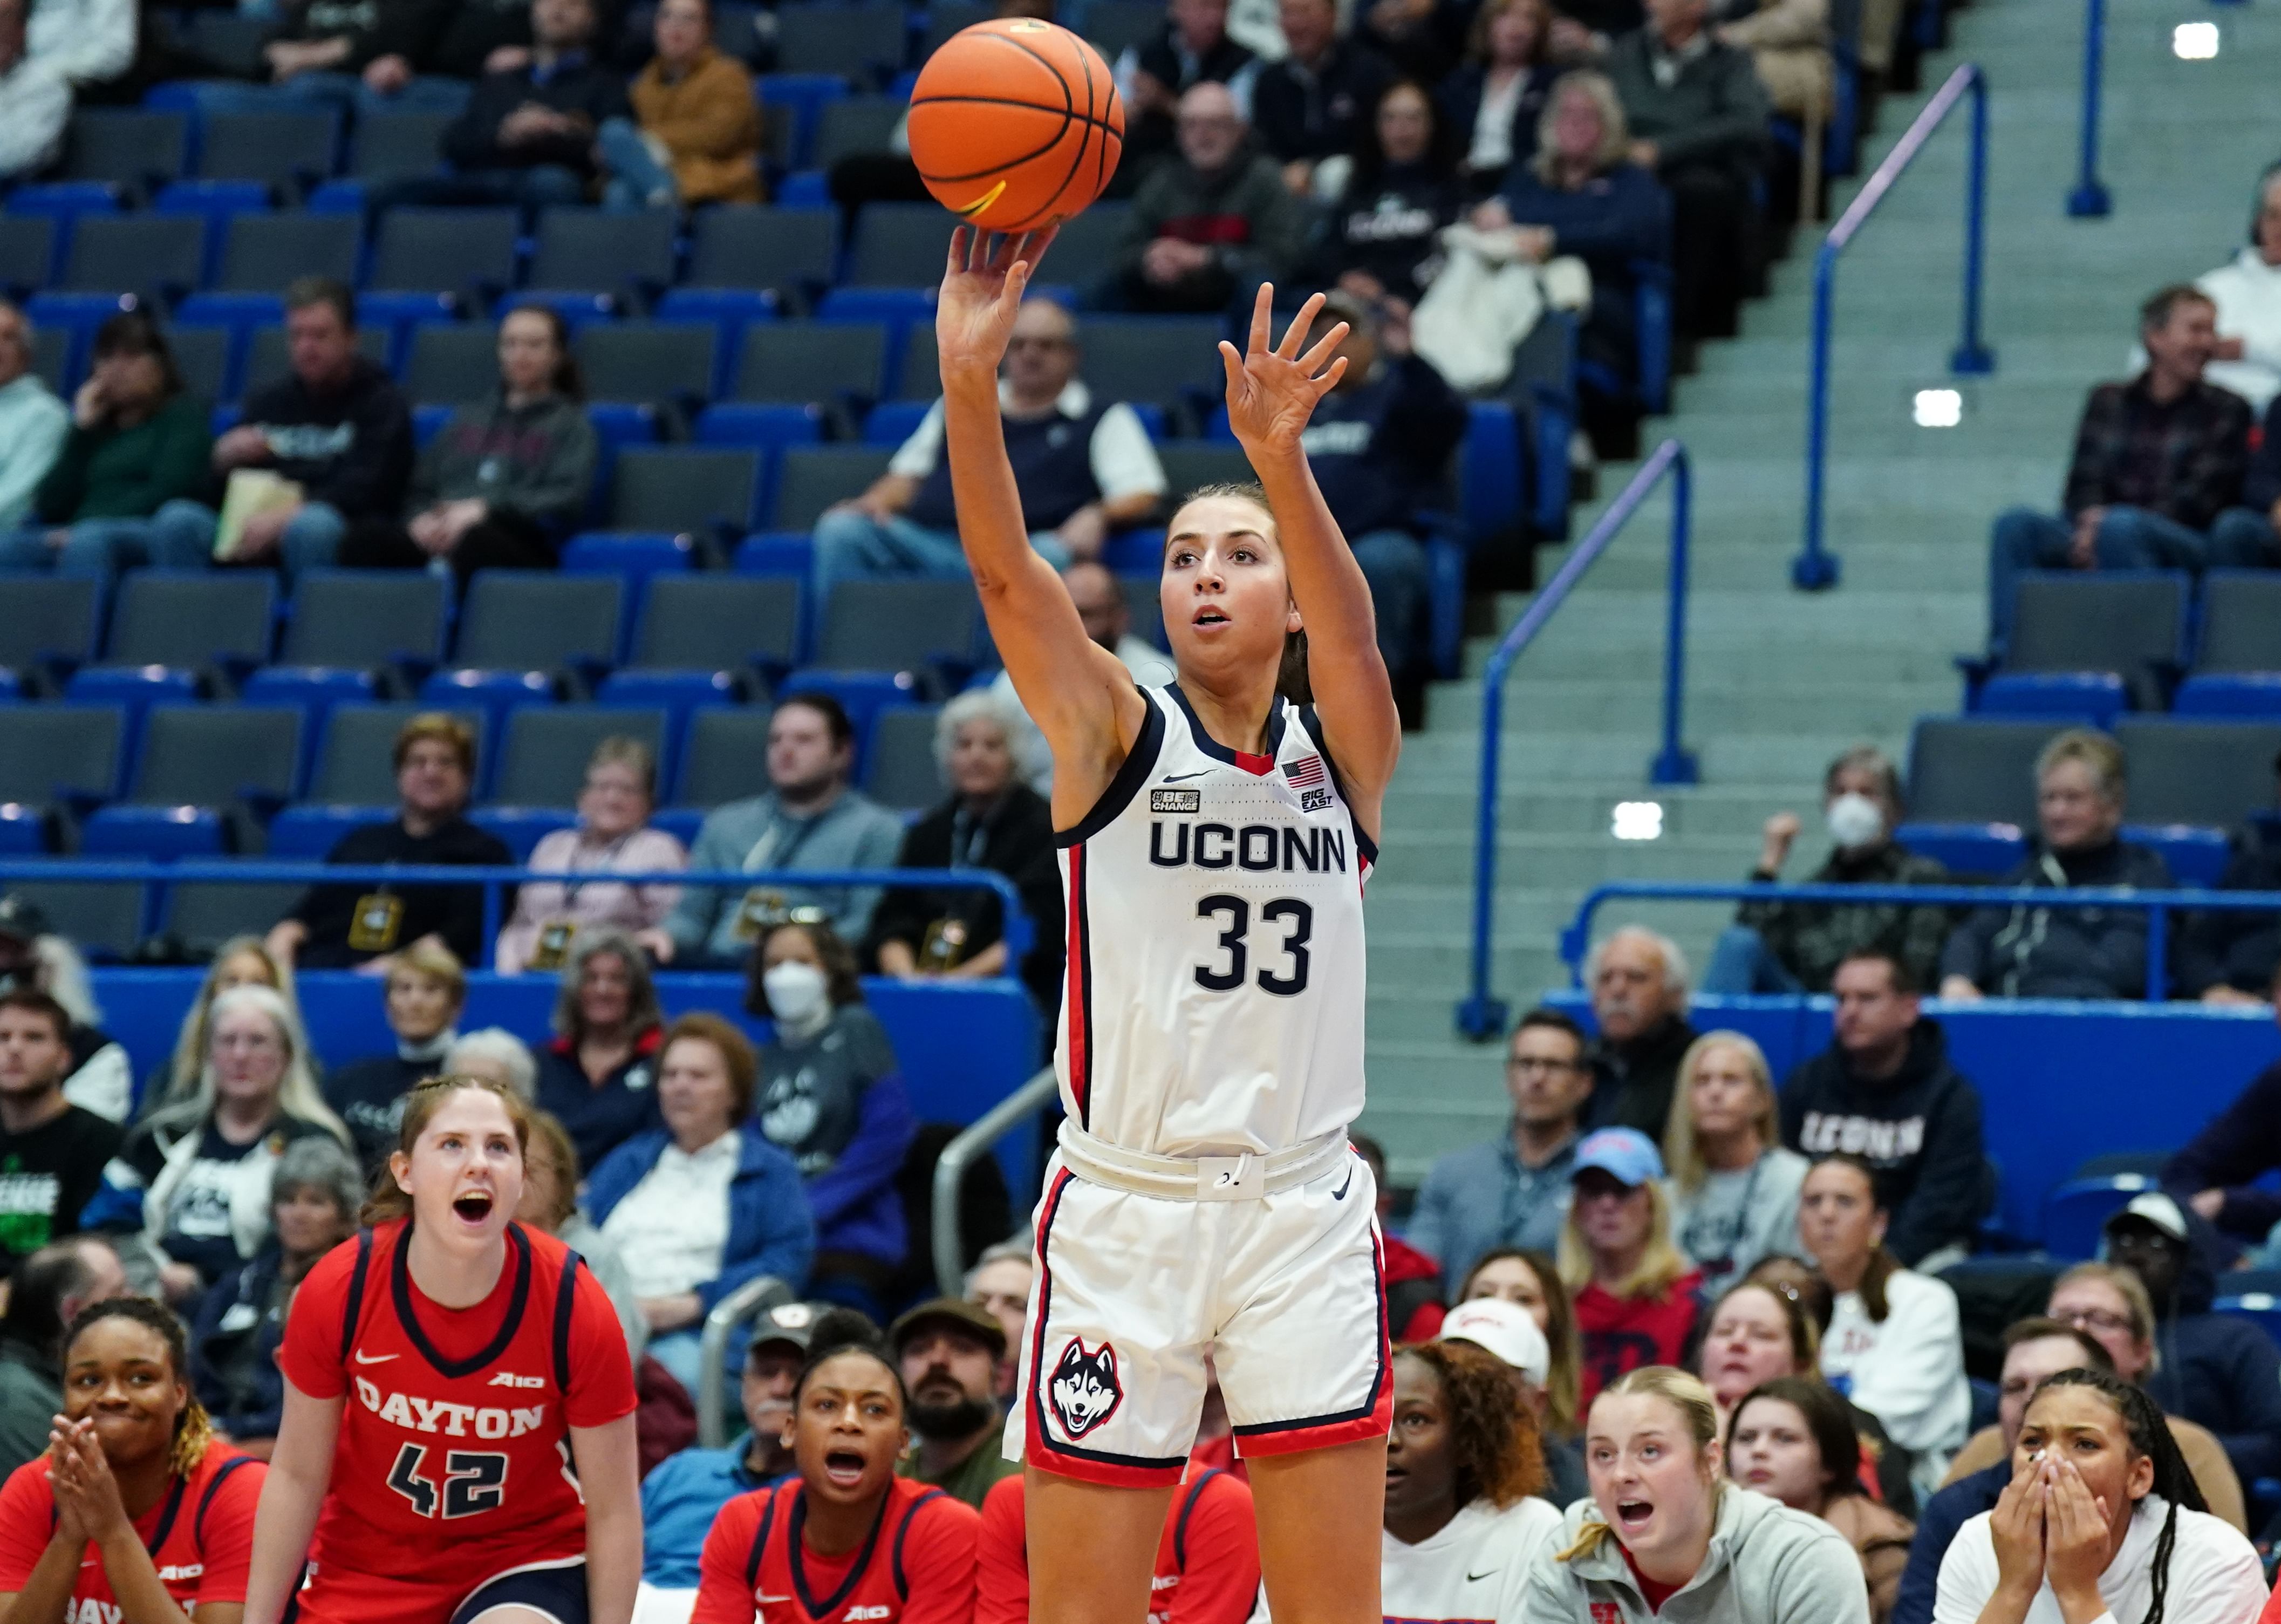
pixel 672 1228
pixel 1907 1371
pixel 2214 1575
pixel 1473 1571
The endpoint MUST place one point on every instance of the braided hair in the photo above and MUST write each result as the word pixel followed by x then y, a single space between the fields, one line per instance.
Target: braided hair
pixel 193 1427
pixel 2150 1436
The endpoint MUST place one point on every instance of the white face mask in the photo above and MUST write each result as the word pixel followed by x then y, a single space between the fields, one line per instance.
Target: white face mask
pixel 796 990
pixel 1855 821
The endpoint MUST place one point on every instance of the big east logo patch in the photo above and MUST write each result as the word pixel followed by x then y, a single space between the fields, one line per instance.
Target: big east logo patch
pixel 1084 1391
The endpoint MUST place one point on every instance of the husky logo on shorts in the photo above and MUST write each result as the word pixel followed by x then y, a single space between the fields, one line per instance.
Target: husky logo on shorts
pixel 1084 1390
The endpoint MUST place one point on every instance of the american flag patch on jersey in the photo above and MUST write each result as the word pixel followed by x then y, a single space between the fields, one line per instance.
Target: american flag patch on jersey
pixel 1305 773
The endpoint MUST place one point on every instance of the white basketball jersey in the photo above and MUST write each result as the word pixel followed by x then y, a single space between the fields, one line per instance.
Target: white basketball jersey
pixel 1214 1000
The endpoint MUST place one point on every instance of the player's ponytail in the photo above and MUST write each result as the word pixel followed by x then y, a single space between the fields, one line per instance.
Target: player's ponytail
pixel 193 1427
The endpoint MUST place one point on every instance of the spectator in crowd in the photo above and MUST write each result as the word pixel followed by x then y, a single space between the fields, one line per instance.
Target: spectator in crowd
pixel 698 1206
pixel 2156 460
pixel 1099 596
pixel 1885 1090
pixel 1528 1280
pixel 1193 48
pixel 89 43
pixel 138 443
pixel 1635 1295
pixel 1207 1567
pixel 613 834
pixel 2108 1306
pixel 1796 947
pixel 424 993
pixel 1734 1186
pixel 1314 103
pixel 810 819
pixel 684 1493
pixel 53 1152
pixel 1698 120
pixel 1639 985
pixel 832 1097
pixel 1412 1279
pixel 334 428
pixel 1493 103
pixel 1895 1342
pixel 993 820
pixel 949 1351
pixel 2028 952
pixel 33 422
pixel 1510 1332
pixel 499 1056
pixel 600 1075
pixel 35 104
pixel 507 479
pixel 1211 223
pixel 550 1177
pixel 1462 1478
pixel 315 1195
pixel 2230 956
pixel 1084 464
pixel 698 114
pixel 2249 535
pixel 46 1292
pixel 1791 1440
pixel 999 1284
pixel 241 961
pixel 2246 290
pixel 1383 240
pixel 481 36
pixel 192 1181
pixel 2220 1371
pixel 2033 1349
pixel 356 57
pixel 1512 1190
pixel 1789 44
pixel 98 1076
pixel 2217 1172
pixel 1660 1497
pixel 2113 1527
pixel 349 925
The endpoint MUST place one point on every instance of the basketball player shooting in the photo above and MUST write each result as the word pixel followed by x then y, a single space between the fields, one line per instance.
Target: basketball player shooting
pixel 1214 839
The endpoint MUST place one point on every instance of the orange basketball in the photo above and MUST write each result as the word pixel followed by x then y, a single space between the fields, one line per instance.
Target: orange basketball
pixel 1016 124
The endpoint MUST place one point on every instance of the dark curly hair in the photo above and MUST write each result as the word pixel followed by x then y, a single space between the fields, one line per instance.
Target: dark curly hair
pixel 193 1430
pixel 1493 1440
pixel 2150 1436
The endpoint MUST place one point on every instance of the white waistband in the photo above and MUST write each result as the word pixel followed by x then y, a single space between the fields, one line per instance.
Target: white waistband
pixel 1177 1178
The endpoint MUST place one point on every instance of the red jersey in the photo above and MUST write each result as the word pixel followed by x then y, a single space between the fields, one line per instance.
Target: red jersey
pixel 1620 1334
pixel 916 1566
pixel 1207 1563
pixel 199 1535
pixel 454 1440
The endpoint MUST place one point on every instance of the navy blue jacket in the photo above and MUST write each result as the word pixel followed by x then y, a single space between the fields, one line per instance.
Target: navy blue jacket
pixel 2219 1370
pixel 1459 108
pixel 1609 222
pixel 234 1350
pixel 1944 1514
pixel 1378 451
pixel 771 1229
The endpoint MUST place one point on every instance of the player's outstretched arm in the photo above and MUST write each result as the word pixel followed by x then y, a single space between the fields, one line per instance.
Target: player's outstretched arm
pixel 300 1469
pixel 609 1475
pixel 1272 390
pixel 1081 695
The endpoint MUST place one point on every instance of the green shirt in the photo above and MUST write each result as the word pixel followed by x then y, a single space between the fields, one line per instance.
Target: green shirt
pixel 108 473
pixel 970 1478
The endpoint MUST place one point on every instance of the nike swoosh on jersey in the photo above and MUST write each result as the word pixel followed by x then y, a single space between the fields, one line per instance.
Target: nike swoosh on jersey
pixel 1182 777
pixel 1474 1578
pixel 1341 1193
pixel 362 1358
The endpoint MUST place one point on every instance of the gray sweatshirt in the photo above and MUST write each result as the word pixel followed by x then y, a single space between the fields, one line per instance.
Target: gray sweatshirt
pixel 853 832
pixel 1767 1565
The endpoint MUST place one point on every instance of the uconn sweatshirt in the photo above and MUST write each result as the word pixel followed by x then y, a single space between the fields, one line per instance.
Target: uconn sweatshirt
pixel 350 448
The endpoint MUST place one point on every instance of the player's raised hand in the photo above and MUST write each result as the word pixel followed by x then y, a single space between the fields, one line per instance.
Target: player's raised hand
pixel 981 293
pixel 1271 390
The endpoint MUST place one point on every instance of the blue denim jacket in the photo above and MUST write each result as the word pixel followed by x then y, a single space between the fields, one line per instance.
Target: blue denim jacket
pixel 1478 1199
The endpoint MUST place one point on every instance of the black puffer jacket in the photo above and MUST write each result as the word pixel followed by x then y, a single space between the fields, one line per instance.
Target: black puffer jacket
pixel 2026 951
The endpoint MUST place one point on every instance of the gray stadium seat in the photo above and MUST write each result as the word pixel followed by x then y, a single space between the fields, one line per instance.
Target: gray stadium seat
pixel 362 618
pixel 209 755
pixel 45 749
pixel 1085 248
pixel 716 623
pixel 534 620
pixel 47 615
pixel 2241 622
pixel 900 246
pixel 202 356
pixel 137 151
pixel 105 921
pixel 1963 770
pixel 28 250
pixel 50 353
pixel 727 755
pixel 443 250
pixel 1162 359
pixel 683 489
pixel 864 42
pixel 186 618
pixel 399 142
pixel 898 766
pixel 892 625
pixel 452 365
pixel 1190 464
pixel 2129 623
pixel 548 746
pixel 812 477
pixel 656 363
pixel 946 18
pixel 146 254
pixel 603 250
pixel 1115 25
pixel 921 373
pixel 202 917
pixel 2212 773
pixel 356 758
pixel 858 126
pixel 230 41
pixel 289 149
pixel 266 360
pixel 753 246
pixel 787 361
pixel 265 251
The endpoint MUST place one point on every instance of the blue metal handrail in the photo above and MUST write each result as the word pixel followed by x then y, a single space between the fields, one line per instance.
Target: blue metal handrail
pixel 2090 200
pixel 1018 931
pixel 1479 1015
pixel 1575 939
pixel 1816 568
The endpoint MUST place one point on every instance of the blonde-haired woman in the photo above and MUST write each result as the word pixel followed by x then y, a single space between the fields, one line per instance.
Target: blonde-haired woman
pixel 613 833
pixel 1734 1188
pixel 424 993
pixel 241 961
pixel 1635 1294
pixel 194 1178
pixel 1664 1519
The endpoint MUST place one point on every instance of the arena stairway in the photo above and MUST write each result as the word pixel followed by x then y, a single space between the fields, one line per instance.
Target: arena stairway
pixel 1780 681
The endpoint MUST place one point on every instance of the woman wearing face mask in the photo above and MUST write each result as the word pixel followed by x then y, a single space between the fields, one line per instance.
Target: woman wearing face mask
pixel 703 1204
pixel 241 961
pixel 1796 947
pixel 612 832
pixel 600 1075
pixel 1635 1295
pixel 1734 1188
pixel 1664 1521
pixel 1531 1281
pixel 832 1097
pixel 2100 1524
pixel 1791 1439
pixel 425 989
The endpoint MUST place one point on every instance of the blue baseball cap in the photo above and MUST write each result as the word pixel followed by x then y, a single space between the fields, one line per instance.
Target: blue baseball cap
pixel 1624 1154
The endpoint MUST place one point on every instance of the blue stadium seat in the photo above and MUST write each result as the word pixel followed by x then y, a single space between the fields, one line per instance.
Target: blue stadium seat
pixel 676 693
pixel 632 556
pixel 493 693
pixel 161 834
pixel 803 96
pixel 767 425
pixel 1966 848
pixel 2075 1213
pixel 1488 472
pixel 313 828
pixel 2092 698
pixel 64 201
pixel 730 310
pixel 891 423
pixel 2236 693
pixel 521 828
pixel 2197 855
pixel 2261 1308
pixel 23 830
pixel 775 552
pixel 577 310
